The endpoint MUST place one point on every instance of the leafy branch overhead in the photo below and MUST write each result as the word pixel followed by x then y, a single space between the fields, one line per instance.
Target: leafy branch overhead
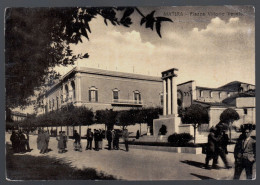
pixel 38 39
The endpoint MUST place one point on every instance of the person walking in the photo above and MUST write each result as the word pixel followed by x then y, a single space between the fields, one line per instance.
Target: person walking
pixel 221 147
pixel 89 139
pixel 211 152
pixel 245 153
pixel 109 139
pixel 125 136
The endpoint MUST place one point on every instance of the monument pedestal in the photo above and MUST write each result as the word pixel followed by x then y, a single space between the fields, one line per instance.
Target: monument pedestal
pixel 172 123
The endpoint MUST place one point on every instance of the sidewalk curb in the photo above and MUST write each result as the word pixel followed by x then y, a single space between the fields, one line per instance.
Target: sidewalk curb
pixel 190 150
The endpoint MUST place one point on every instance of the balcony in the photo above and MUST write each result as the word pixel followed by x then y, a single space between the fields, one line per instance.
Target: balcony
pixel 126 102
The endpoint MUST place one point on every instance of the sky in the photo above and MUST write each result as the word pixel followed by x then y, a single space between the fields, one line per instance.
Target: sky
pixel 212 45
pixel 207 44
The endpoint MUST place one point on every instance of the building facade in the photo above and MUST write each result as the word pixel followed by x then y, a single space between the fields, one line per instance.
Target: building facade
pixel 102 89
pixel 18 116
pixel 237 95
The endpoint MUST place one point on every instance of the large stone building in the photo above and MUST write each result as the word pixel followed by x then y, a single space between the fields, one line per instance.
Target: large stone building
pixel 102 89
pixel 237 95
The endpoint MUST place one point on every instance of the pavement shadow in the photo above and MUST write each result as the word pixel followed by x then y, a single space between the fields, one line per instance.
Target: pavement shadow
pixel 29 150
pixel 194 163
pixel 49 150
pixel 202 177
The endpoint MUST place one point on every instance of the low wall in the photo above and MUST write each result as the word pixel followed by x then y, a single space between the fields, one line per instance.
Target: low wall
pixel 186 128
pixel 190 150
pixel 171 124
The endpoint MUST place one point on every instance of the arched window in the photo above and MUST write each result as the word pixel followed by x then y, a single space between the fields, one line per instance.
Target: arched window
pixel 61 98
pixel 73 90
pixel 52 103
pixel 57 101
pixel 67 93
pixel 93 94
pixel 137 97
pixel 179 98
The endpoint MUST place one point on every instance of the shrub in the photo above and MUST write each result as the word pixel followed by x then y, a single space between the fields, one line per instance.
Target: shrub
pixel 179 139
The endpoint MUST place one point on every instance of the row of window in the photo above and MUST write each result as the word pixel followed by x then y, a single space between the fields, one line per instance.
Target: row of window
pixel 220 94
pixel 93 97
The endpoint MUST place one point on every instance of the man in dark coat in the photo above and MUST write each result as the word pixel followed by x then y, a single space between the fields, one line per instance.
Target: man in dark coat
pixel 109 139
pixel 211 152
pixel 116 140
pixel 245 154
pixel 15 141
pixel 89 139
pixel 22 140
pixel 221 147
pixel 77 144
pixel 96 139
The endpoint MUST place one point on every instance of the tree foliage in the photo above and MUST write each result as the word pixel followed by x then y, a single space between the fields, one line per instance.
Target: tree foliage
pixel 37 39
pixel 229 116
pixel 67 116
pixel 108 117
pixel 195 115
pixel 128 117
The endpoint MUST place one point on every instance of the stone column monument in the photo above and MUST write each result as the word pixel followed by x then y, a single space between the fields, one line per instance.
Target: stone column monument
pixel 170 117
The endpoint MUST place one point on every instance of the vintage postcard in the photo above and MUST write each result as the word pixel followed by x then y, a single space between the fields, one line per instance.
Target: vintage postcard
pixel 130 93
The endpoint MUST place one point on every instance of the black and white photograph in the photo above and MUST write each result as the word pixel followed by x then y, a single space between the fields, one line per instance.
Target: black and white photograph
pixel 145 93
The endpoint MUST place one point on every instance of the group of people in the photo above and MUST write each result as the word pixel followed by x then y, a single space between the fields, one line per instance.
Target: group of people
pixel 43 141
pixel 20 141
pixel 244 152
pixel 97 136
pixel 112 138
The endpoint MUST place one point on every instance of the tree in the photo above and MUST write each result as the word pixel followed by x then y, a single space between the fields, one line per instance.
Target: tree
pixel 108 117
pixel 195 115
pixel 228 116
pixel 66 116
pixel 125 118
pixel 147 115
pixel 37 39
